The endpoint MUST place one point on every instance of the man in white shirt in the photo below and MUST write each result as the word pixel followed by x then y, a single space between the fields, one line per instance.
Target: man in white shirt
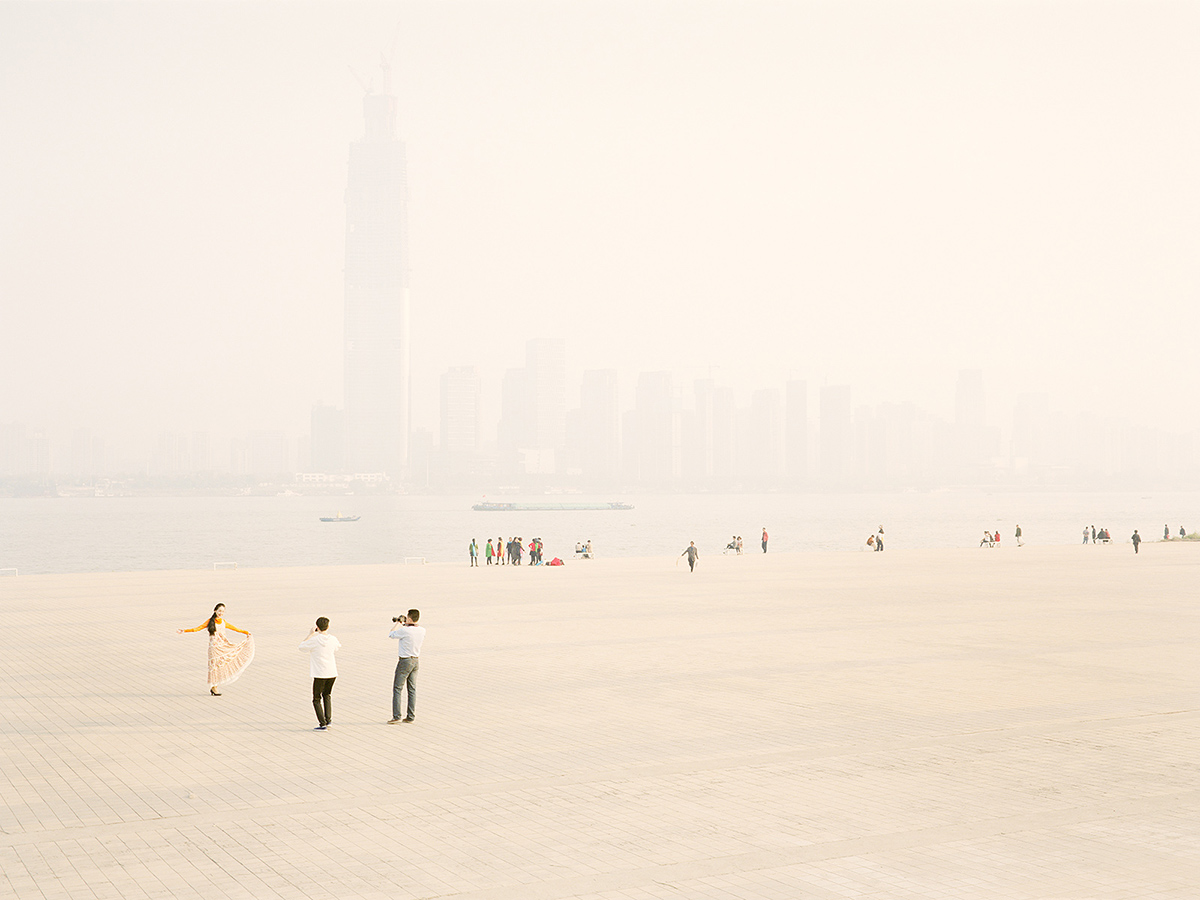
pixel 411 636
pixel 321 646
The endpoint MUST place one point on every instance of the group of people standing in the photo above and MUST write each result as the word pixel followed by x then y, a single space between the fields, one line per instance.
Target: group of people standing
pixel 228 659
pixel 507 553
pixel 1103 535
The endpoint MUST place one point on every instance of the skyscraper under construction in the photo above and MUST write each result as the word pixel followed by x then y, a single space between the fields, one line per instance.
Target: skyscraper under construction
pixel 376 331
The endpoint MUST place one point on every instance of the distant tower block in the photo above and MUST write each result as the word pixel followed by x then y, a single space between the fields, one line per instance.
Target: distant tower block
pixel 377 357
pixel 796 430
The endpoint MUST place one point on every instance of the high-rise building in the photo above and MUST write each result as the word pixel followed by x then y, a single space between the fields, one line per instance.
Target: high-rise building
pixel 515 429
pixel 201 461
pixel 545 361
pixel 657 431
pixel 697 449
pixel 865 457
pixel 765 446
pixel 837 433
pixel 796 430
pixel 171 457
pixel 968 399
pixel 376 330
pixel 327 446
pixel 724 434
pixel 975 442
pixel 600 427
pixel 460 413
pixel 533 410
pixel 83 455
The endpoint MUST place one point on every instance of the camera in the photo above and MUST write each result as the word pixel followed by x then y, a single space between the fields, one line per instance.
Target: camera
pixel 399 618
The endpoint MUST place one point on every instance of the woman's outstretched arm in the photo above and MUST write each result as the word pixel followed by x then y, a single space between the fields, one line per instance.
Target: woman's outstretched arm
pixel 202 625
pixel 235 628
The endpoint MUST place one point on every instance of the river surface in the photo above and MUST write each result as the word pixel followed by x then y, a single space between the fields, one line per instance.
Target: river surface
pixel 106 534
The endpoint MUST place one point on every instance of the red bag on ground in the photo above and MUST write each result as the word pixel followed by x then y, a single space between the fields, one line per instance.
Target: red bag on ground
pixel 555 562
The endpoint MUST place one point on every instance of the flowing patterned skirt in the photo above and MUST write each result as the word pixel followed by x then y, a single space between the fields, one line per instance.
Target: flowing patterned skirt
pixel 227 660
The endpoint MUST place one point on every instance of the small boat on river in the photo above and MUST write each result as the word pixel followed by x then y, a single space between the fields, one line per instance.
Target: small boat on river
pixel 487 506
pixel 340 518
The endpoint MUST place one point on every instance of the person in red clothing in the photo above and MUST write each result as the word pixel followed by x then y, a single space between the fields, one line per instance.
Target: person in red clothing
pixel 764 539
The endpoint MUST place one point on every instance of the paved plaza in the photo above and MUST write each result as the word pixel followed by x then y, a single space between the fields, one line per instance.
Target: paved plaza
pixel 1018 724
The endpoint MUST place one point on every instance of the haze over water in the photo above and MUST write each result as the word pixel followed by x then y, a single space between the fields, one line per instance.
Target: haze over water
pixel 137 533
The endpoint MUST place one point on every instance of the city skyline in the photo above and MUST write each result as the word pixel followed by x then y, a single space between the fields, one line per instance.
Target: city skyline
pixel 984 189
pixel 677 434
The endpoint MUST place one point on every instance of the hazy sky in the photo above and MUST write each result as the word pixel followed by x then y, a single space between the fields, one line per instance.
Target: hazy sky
pixel 872 193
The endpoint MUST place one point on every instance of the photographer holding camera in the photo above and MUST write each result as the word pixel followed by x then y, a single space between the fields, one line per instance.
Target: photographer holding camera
pixel 411 636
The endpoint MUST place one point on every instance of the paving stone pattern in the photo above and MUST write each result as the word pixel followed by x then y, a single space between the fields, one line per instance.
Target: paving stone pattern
pixel 1018 724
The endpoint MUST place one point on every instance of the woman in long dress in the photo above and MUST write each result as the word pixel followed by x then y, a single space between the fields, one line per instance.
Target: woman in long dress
pixel 226 660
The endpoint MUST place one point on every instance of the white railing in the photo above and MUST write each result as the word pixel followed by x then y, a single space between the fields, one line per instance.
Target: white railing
pixel 414 559
pixel 224 565
pixel 12 572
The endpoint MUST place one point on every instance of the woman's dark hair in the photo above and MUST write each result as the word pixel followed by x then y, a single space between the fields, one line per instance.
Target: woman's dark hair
pixel 322 623
pixel 212 622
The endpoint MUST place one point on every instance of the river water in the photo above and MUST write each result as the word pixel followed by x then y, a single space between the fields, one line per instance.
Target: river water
pixel 103 534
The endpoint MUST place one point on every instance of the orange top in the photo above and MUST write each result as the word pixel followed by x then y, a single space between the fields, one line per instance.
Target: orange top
pixel 203 625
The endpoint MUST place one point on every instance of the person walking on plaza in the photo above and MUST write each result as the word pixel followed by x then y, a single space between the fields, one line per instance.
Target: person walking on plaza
pixel 1093 535
pixel 487 552
pixel 692 554
pixel 1137 539
pixel 1085 535
pixel 1166 533
pixel 500 556
pixel 411 636
pixel 764 539
pixel 1020 543
pixel 226 660
pixel 473 549
pixel 320 646
pixel 879 540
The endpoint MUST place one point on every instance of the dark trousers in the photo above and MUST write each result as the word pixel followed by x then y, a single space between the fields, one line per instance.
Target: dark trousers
pixel 322 701
pixel 764 543
pixel 406 674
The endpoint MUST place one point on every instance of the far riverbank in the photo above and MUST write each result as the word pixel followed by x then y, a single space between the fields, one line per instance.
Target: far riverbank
pixel 104 534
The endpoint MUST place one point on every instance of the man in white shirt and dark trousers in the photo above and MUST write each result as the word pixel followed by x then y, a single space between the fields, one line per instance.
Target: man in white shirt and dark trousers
pixel 411 636
pixel 321 646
